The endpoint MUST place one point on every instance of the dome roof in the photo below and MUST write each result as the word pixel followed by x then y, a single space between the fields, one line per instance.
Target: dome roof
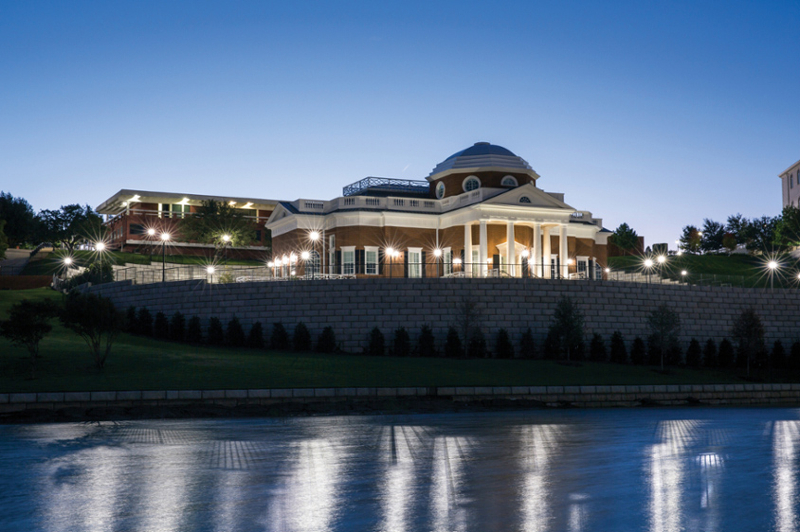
pixel 482 154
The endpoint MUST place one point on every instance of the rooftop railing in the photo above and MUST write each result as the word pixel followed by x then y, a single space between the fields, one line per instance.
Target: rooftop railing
pixel 385 184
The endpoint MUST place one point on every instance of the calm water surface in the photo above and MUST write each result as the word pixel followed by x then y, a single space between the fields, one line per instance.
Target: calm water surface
pixel 659 470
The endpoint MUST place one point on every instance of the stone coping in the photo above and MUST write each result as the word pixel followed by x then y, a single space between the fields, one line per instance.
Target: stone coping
pixel 575 392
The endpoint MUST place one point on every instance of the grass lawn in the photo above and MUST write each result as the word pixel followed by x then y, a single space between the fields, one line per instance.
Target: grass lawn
pixel 144 364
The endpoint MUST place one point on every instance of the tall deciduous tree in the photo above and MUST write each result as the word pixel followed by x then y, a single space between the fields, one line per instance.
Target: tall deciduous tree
pixel 625 238
pixel 760 234
pixel 70 225
pixel 737 226
pixel 665 325
pixel 787 230
pixel 748 333
pixel 94 319
pixel 713 233
pixel 3 240
pixel 20 219
pixel 27 324
pixel 567 326
pixel 690 239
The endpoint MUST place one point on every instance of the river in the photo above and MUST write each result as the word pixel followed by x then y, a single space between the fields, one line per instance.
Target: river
pixel 657 469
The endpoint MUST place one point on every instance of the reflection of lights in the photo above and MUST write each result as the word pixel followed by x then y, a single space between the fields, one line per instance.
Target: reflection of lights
pixel 784 455
pixel 398 483
pixel 448 465
pixel 666 475
pixel 538 444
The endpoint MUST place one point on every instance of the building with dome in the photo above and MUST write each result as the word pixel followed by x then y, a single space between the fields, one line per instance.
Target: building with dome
pixel 480 212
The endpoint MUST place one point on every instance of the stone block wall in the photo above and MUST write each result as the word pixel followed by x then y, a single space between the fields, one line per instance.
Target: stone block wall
pixel 354 307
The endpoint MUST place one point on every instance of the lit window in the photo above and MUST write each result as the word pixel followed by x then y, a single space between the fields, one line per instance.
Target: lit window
pixel 440 190
pixel 349 260
pixel 509 181
pixel 448 261
pixel 415 262
pixel 524 199
pixel 471 183
pixel 371 260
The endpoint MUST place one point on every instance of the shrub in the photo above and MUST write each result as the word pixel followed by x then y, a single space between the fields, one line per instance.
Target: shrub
pixel 503 348
pixel 194 331
pixel 710 354
pixel 94 319
pixel 234 334
pixel 452 345
pixel 144 322
pixel 694 354
pixel 794 356
pixel 401 347
pixel 748 331
pixel 255 340
pixel 665 325
pixel 426 344
pixel 476 348
pixel 177 327
pixel 326 343
pixel 597 348
pixel 302 338
pixel 161 326
pixel 216 335
pixel 567 326
pixel 280 338
pixel 619 353
pixel 375 346
pixel 725 354
pixel 27 324
pixel 527 347
pixel 638 351
pixel 130 320
pixel 778 355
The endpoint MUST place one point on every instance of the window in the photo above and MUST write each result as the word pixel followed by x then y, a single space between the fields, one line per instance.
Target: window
pixel 371 260
pixel 583 267
pixel 440 190
pixel 471 183
pixel 136 229
pixel 332 254
pixel 258 235
pixel 348 260
pixel 791 182
pixel 524 199
pixel 509 181
pixel 168 210
pixel 415 262
pixel 312 264
pixel 448 261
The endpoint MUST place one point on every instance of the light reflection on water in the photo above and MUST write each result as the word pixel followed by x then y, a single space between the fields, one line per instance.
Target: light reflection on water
pixel 659 470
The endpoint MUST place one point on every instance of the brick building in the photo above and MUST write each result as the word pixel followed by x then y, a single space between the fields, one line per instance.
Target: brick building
pixel 480 213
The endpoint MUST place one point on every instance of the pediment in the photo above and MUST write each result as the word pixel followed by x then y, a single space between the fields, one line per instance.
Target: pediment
pixel 528 196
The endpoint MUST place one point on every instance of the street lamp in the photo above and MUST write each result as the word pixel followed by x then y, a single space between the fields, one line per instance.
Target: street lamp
pixel 100 246
pixel 648 264
pixel 772 265
pixel 164 238
pixel 67 264
pixel 438 254
pixel 457 262
pixel 390 256
pixel 314 237
pixel 210 271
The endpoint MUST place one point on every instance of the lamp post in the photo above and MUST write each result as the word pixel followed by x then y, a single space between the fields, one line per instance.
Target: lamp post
pixel 210 271
pixel 648 264
pixel 438 254
pixel 226 240
pixel 314 237
pixel 164 238
pixel 305 255
pixel 67 264
pixel 772 265
pixel 389 256
pixel 661 260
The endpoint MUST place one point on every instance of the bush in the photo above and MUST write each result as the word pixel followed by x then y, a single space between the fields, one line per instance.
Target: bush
pixel 527 347
pixel 638 351
pixel 94 319
pixel 794 356
pixel 130 320
pixel 694 354
pixel 302 338
pixel 326 343
pixel 161 326
pixel 503 348
pixel 216 336
pixel 376 344
pixel 234 334
pixel 476 348
pixel 27 324
pixel 778 356
pixel 177 327
pixel 401 347
pixel 144 322
pixel 710 354
pixel 619 353
pixel 280 338
pixel 194 331
pixel 255 340
pixel 597 349
pixel 452 345
pixel 426 344
pixel 725 355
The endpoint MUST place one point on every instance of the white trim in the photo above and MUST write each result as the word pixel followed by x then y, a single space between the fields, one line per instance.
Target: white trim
pixel 468 178
pixel 447 260
pixel 440 185
pixel 416 266
pixel 348 249
pixel 371 249
pixel 511 177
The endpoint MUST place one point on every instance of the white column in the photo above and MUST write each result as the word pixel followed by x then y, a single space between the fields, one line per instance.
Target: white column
pixel 535 267
pixel 562 250
pixel 483 242
pixel 546 252
pixel 511 253
pixel 467 249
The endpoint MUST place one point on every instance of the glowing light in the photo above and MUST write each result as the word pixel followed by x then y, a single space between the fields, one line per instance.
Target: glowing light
pixel 662 259
pixel 648 263
pixel 270 264
pixel 278 263
pixel 135 199
pixel 100 246
pixel 390 252
pixel 608 270
pixel 684 272
pixel 247 205
pixel 437 252
pixel 210 270
pixel 305 255
pixel 456 261
pixel 226 238
pixel 165 236
pixel 314 235
pixel 293 258
pixel 294 272
pixel 68 261
pixel 699 233
pixel 680 252
pixel 232 203
pixel 772 265
pixel 570 261
pixel 396 254
pixel 525 253
pixel 151 231
pixel 184 201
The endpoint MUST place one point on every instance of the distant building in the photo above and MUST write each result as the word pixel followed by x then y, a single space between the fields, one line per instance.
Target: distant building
pixel 790 184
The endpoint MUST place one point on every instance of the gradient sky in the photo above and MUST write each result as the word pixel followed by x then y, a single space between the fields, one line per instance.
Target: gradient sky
pixel 655 114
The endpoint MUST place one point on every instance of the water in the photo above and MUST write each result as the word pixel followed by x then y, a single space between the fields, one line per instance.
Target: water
pixel 660 470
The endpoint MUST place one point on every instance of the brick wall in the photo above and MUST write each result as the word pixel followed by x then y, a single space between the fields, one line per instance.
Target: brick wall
pixel 354 307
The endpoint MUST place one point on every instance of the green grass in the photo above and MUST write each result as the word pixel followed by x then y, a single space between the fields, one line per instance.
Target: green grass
pixel 145 364
pixel 50 263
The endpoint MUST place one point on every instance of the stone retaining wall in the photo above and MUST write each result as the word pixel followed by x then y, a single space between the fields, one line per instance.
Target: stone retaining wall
pixel 578 396
pixel 354 307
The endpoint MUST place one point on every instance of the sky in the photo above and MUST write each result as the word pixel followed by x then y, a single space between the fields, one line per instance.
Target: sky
pixel 657 114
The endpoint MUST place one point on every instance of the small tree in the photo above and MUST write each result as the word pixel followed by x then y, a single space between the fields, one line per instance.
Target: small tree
pixel 426 344
pixel 401 347
pixel 477 345
pixel 255 339
pixel 619 353
pixel 216 336
pixel 234 334
pixel 452 345
pixel 301 339
pixel 665 325
pixel 597 348
pixel 94 319
pixel 376 345
pixel 280 338
pixel 144 322
pixel 194 330
pixel 710 354
pixel 567 325
pixel 503 348
pixel 690 239
pixel 625 238
pixel 26 326
pixel 527 347
pixel 161 326
pixel 725 355
pixel 694 354
pixel 638 351
pixel 748 332
pixel 327 341
pixel 177 327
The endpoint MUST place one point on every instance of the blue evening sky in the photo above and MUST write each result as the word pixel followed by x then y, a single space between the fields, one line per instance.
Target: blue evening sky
pixel 655 114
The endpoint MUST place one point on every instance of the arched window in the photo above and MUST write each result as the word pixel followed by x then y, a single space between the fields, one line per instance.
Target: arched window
pixel 509 181
pixel 471 183
pixel 524 199
pixel 439 190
